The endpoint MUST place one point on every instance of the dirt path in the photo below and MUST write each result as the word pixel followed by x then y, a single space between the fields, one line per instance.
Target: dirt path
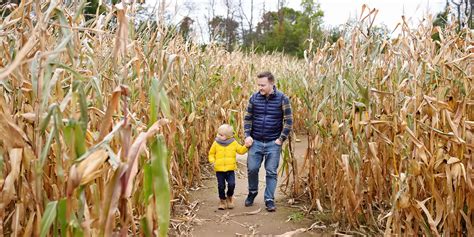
pixel 247 220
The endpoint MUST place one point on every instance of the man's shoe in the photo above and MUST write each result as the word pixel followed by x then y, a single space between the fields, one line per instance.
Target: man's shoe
pixel 230 202
pixel 249 199
pixel 270 205
pixel 222 205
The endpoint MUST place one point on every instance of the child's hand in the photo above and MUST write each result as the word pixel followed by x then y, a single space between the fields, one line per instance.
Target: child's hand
pixel 248 142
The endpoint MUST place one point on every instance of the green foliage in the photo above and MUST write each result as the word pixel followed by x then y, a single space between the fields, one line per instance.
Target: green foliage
pixel 442 17
pixel 91 9
pixel 161 185
pixel 296 216
pixel 288 30
pixel 48 218
pixel 334 34
pixel 441 20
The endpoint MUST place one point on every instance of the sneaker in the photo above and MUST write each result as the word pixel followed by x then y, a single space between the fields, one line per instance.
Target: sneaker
pixel 230 202
pixel 250 198
pixel 222 205
pixel 270 205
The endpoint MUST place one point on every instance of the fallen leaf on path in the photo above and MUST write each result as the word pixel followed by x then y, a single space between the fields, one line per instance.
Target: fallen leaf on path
pixel 292 233
pixel 247 213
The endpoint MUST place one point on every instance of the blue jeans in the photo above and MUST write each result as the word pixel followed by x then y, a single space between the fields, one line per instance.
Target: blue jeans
pixel 222 177
pixel 258 151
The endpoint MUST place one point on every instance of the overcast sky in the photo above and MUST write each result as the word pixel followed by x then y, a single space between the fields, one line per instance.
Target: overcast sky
pixel 336 12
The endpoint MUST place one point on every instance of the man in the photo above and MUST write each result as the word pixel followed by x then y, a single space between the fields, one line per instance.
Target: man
pixel 267 124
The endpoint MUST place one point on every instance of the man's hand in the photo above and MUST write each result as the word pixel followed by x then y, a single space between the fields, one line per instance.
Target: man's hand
pixel 248 141
pixel 278 142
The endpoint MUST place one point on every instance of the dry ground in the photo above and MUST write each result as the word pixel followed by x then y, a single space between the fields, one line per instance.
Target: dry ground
pixel 242 220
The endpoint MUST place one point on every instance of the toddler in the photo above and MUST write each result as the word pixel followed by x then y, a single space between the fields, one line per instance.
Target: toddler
pixel 223 155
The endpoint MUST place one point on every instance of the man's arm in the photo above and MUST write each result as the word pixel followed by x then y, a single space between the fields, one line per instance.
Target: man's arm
pixel 248 118
pixel 287 119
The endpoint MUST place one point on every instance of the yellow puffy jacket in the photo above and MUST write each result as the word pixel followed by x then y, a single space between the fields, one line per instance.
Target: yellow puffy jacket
pixel 224 157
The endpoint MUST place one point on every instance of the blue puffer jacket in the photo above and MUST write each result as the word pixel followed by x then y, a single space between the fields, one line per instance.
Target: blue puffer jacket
pixel 264 118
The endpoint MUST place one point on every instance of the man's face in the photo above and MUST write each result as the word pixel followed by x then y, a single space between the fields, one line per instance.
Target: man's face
pixel 264 86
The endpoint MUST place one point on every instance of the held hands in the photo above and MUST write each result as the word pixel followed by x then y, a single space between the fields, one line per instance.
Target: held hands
pixel 248 142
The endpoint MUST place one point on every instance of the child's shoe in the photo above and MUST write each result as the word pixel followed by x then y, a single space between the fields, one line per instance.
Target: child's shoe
pixel 222 205
pixel 230 202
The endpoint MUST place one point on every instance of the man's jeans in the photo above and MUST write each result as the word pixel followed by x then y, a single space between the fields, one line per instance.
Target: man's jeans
pixel 258 151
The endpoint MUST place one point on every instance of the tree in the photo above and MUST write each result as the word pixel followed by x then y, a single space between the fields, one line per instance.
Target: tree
pixel 185 27
pixel 470 20
pixel 224 30
pixel 311 19
pixel 441 18
pixel 277 31
pixel 334 33
pixel 211 14
pixel 247 34
pixel 288 30
pixel 464 12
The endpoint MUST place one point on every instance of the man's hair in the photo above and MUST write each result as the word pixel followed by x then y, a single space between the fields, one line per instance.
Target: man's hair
pixel 226 130
pixel 268 75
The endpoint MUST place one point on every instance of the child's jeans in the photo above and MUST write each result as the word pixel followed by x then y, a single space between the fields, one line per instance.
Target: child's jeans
pixel 222 177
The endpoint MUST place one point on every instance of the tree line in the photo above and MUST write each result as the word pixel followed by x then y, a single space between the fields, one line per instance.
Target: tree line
pixel 284 30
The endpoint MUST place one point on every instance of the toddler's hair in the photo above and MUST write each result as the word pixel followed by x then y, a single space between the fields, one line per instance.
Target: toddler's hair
pixel 226 130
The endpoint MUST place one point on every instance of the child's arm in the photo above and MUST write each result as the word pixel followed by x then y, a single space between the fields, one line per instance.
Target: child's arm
pixel 212 153
pixel 241 149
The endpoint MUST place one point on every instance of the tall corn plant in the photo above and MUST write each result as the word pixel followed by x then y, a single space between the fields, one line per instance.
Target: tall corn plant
pixel 390 130
pixel 98 120
pixel 73 162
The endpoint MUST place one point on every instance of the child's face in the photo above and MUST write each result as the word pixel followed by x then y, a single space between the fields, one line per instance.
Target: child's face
pixel 221 136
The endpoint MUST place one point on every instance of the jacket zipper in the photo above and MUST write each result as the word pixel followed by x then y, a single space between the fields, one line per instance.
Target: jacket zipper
pixel 265 116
